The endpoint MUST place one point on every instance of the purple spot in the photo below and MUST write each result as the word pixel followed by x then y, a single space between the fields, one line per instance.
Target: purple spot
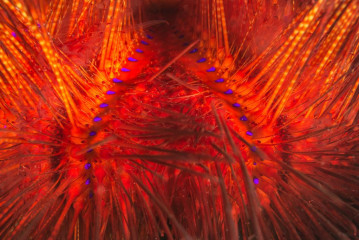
pixel 236 105
pixel 253 148
pixel 38 25
pixel 182 36
pixel 249 133
pixel 186 44
pixel 131 59
pixel 91 195
pixel 255 180
pixel 92 133
pixel 254 163
pixel 201 60
pixel 97 119
pixel 90 150
pixel 229 91
pixel 144 42
pixel 149 36
pixel 125 70
pixel 110 92
pixel 243 118
pixel 139 50
pixel 103 105
pixel 212 69
pixel 13 34
pixel 116 80
pixel 87 181
pixel 87 166
pixel 194 50
pixel 220 80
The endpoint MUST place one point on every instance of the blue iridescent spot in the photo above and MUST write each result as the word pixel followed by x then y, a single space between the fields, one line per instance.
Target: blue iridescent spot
pixel 110 92
pixel 91 195
pixel 212 69
pixel 219 80
pixel 253 148
pixel 254 163
pixel 87 166
pixel 125 70
pixel 249 133
pixel 255 180
pixel 236 105
pixel 116 80
pixel 201 60
pixel 103 105
pixel 87 181
pixel 144 42
pixel 149 36
pixel 92 133
pixel 131 59
pixel 97 119
pixel 194 50
pixel 229 91
pixel 243 118
pixel 139 50
pixel 13 34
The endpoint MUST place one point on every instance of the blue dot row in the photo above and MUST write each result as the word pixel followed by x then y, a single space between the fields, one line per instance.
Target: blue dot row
pixel 105 105
pixel 110 92
pixel 235 105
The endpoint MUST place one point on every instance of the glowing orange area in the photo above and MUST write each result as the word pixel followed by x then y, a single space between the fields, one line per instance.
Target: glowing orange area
pixel 193 119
